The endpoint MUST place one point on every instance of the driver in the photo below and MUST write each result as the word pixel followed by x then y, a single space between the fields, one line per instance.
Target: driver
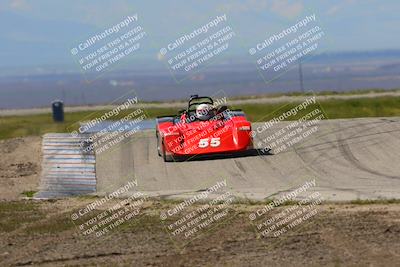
pixel 204 112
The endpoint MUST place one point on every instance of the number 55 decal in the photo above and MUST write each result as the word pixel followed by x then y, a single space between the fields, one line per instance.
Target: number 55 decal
pixel 214 142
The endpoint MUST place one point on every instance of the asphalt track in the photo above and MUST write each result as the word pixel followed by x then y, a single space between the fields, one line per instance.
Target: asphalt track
pixel 348 158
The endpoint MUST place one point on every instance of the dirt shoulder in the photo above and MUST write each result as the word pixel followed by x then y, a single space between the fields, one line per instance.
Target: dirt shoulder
pixel 19 166
pixel 339 235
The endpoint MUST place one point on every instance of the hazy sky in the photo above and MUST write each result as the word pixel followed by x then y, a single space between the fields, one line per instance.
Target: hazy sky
pixel 43 31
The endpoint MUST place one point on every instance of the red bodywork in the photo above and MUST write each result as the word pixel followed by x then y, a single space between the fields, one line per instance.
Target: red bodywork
pixel 225 134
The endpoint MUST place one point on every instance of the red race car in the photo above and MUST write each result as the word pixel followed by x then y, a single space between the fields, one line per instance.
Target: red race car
pixel 202 129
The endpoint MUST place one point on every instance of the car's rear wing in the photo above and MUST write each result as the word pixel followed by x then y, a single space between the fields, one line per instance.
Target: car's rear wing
pixel 236 113
pixel 167 118
pixel 229 113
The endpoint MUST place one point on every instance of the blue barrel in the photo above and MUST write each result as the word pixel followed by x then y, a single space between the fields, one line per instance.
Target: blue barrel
pixel 57 107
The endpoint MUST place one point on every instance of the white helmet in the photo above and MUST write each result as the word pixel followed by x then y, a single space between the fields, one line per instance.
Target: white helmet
pixel 203 112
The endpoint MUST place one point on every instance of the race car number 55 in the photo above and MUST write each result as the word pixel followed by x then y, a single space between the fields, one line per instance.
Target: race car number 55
pixel 213 142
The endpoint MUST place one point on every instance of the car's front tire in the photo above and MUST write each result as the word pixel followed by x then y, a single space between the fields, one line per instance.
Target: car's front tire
pixel 158 144
pixel 167 158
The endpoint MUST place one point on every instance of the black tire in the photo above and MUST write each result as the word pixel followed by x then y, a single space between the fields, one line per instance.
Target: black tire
pixel 167 158
pixel 158 145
